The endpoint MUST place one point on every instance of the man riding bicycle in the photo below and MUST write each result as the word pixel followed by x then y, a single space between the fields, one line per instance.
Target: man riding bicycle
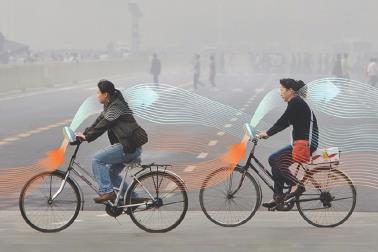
pixel 125 135
pixel 299 115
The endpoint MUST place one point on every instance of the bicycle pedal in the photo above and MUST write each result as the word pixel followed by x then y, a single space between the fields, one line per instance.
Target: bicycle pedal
pixel 289 200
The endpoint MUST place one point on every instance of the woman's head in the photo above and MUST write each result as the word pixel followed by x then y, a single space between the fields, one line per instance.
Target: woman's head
pixel 105 90
pixel 290 87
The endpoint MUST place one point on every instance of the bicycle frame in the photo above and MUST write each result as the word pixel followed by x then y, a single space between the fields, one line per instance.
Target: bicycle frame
pixel 73 164
pixel 261 168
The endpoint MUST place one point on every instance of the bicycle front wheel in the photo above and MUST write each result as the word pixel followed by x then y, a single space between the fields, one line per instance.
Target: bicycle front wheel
pixel 330 197
pixel 230 198
pixel 164 205
pixel 42 212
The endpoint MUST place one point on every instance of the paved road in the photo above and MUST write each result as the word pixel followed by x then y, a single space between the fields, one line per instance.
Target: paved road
pixel 265 232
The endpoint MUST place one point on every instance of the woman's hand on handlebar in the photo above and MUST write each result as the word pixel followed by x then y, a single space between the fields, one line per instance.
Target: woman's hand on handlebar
pixel 80 136
pixel 262 135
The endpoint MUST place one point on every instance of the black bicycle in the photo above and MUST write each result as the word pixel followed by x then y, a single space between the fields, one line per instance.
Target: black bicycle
pixel 230 197
pixel 51 201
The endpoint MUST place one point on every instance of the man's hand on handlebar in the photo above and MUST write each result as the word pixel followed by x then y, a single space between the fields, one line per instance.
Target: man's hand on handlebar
pixel 262 135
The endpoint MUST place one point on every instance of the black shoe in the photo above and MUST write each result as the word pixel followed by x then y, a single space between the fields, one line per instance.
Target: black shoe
pixel 298 192
pixel 277 199
pixel 270 204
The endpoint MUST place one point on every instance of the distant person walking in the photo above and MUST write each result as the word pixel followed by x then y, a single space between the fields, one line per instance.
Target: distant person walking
pixel 155 68
pixel 196 71
pixel 372 72
pixel 345 66
pixel 337 68
pixel 212 71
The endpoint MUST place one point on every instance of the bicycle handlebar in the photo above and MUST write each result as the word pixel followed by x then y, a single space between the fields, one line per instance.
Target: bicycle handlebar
pixel 78 141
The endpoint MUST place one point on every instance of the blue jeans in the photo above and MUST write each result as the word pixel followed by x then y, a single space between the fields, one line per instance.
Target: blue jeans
pixel 107 164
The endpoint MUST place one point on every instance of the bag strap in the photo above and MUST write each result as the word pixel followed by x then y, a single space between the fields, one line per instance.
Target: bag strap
pixel 311 129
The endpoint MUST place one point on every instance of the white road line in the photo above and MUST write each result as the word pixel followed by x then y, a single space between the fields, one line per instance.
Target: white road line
pixel 242 109
pixel 10 139
pixel 239 113
pixel 24 135
pixel 234 119
pixel 259 90
pixel 189 168
pixel 237 90
pixel 202 155
pixel 170 186
pixel 78 220
pixel 33 131
pixel 102 215
pixel 43 128
pixel 228 125
pixel 59 223
pixel 221 133
pixel 212 143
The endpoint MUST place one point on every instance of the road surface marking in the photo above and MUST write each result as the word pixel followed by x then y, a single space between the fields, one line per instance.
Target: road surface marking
pixel 228 125
pixel 189 168
pixel 171 186
pixel 102 215
pixel 221 133
pixel 202 155
pixel 212 142
pixel 10 139
pixel 233 119
pixel 29 133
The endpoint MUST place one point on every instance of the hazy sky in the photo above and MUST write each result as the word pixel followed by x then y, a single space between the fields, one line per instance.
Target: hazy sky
pixel 93 23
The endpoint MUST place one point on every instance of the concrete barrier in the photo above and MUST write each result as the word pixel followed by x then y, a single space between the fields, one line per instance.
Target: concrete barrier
pixel 25 76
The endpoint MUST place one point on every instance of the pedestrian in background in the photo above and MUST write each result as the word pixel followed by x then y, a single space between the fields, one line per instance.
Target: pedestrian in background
pixel 155 68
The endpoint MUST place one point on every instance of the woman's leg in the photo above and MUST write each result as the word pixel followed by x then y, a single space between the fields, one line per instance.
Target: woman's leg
pixel 116 169
pixel 110 155
pixel 280 161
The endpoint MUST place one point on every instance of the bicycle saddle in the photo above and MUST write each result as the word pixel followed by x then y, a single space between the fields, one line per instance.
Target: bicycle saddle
pixel 135 161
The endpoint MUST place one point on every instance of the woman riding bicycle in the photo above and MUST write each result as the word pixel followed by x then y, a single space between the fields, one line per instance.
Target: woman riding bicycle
pixel 299 115
pixel 118 120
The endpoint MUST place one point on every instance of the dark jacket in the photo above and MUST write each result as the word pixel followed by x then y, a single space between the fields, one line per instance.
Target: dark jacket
pixel 298 114
pixel 118 120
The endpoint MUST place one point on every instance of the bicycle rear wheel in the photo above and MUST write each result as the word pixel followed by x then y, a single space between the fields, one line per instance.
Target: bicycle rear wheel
pixel 330 198
pixel 221 205
pixel 40 211
pixel 168 207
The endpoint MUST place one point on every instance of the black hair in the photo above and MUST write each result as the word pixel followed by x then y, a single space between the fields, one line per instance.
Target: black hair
pixel 106 86
pixel 297 85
